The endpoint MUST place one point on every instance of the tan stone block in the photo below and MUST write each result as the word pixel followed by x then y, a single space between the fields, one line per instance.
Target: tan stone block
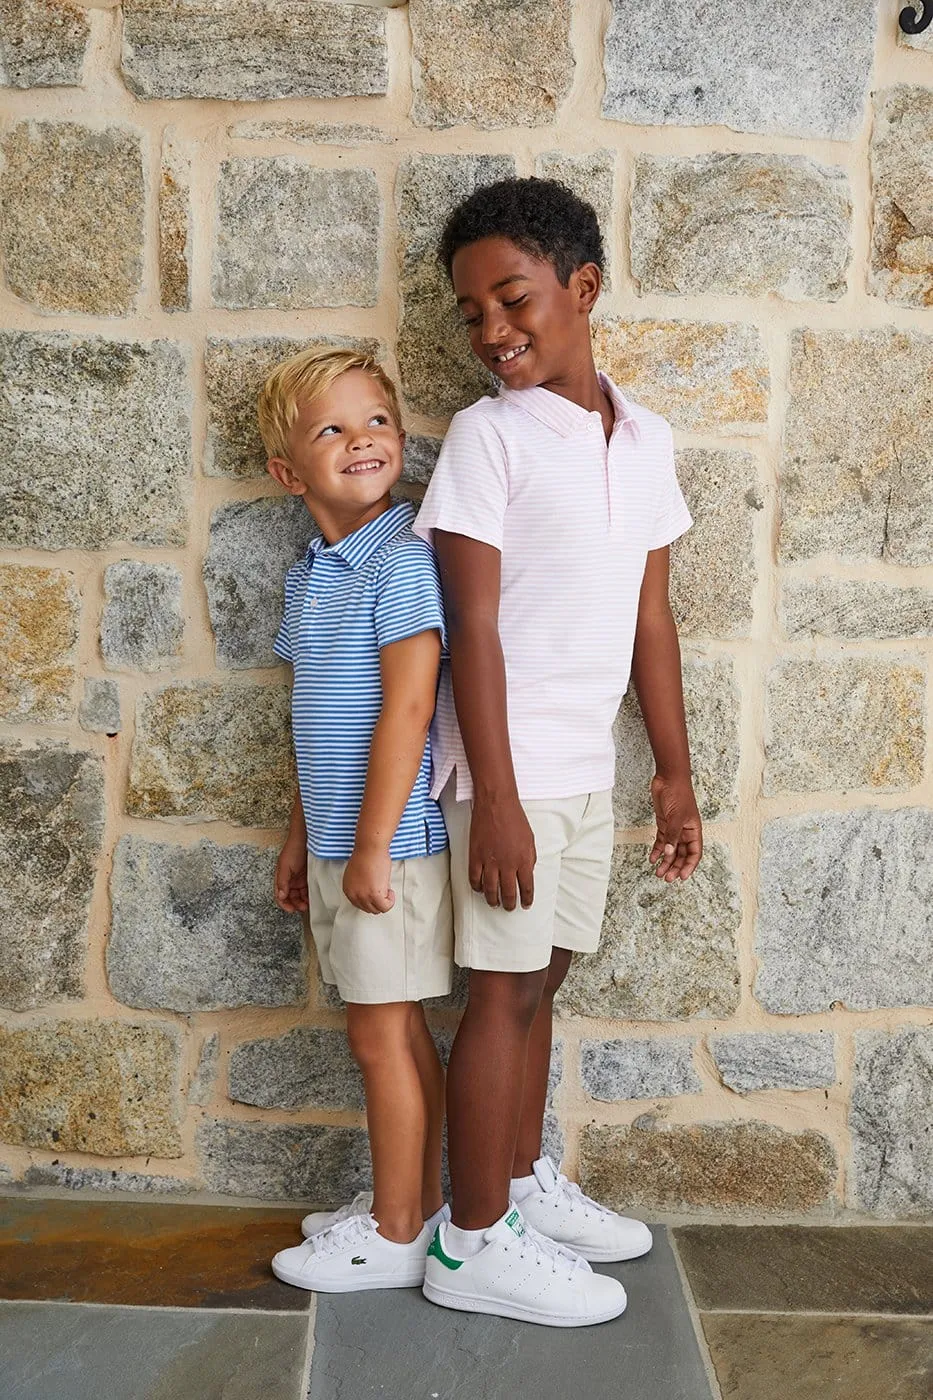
pixel 590 177
pixel 902 185
pixel 38 631
pixel 42 43
pixel 713 569
pixel 174 225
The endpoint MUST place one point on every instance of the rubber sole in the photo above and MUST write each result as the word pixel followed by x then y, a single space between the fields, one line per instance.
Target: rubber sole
pixel 471 1302
pixel 361 1285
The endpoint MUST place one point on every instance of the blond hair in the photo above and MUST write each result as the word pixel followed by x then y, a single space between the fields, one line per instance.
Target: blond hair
pixel 305 377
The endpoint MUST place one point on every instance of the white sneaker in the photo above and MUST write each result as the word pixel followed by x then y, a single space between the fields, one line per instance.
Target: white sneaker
pixel 522 1276
pixel 362 1204
pixel 352 1256
pixel 560 1211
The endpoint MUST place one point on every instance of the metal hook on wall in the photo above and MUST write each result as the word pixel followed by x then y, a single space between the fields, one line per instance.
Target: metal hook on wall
pixel 914 19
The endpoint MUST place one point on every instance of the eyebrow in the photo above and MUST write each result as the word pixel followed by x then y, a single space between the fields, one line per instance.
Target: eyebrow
pixel 376 407
pixel 504 282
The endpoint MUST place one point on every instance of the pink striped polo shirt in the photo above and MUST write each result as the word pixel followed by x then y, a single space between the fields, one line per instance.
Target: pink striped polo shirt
pixel 531 474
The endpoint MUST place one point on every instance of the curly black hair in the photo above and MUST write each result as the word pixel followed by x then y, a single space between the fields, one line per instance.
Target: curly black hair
pixel 542 217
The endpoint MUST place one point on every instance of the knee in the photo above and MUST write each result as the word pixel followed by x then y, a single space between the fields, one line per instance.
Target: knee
pixel 557 971
pixel 510 996
pixel 373 1038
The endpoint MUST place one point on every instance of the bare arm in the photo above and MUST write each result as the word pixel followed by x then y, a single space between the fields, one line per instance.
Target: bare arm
pixel 291 870
pixel 502 850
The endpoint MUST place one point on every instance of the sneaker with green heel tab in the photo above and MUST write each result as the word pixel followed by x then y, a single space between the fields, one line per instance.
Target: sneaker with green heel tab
pixel 520 1275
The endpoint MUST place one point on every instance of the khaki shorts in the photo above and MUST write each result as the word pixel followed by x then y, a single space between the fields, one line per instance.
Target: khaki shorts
pixel 573 840
pixel 403 955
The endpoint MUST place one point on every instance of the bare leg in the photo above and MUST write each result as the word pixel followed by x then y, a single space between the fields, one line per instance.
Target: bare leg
pixel 531 1123
pixel 431 1074
pixel 396 1113
pixel 485 1085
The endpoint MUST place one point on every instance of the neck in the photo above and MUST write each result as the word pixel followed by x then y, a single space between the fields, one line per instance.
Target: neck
pixel 335 524
pixel 579 383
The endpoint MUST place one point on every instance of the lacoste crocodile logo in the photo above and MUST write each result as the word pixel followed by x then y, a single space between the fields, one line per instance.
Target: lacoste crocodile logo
pixel 357 1260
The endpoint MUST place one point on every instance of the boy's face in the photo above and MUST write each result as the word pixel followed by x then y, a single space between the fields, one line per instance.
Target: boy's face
pixel 523 324
pixel 344 452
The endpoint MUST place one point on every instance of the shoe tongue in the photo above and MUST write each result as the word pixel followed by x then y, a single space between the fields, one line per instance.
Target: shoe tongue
pixel 545 1173
pixel 510 1227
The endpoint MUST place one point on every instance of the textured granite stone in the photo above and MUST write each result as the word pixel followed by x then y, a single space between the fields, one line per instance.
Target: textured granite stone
pixel 73 206
pixel 322 1166
pixel 102 1086
pixel 289 235
pixel 855 608
pixel 202 1084
pixel 141 624
pixel 252 544
pixel 722 491
pixel 234 373
pixel 440 373
pixel 174 225
pixel 711 702
pixel 845 911
pixel 51 826
pixel 420 458
pixel 857 469
pixel 309 133
pixel 591 177
pixel 306 1068
pixel 83 1178
pixel 902 185
pixel 99 711
pixel 732 1167
pixel 667 951
pixel 100 431
pixel 787 231
pixel 891 1121
pixel 195 928
pixel 473 64
pixel 638 1069
pixel 853 723
pixel 42 43
pixel 38 632
pixel 702 376
pixel 722 65
pixel 765 1060
pixel 924 41
pixel 213 753
pixel 252 50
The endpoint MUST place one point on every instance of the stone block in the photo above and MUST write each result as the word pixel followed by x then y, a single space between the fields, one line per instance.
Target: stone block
pixel 204 1078
pixel 67 1178
pixel 421 455
pixel 902 186
pixel 100 430
pixel 765 1060
pixel 857 468
pixel 787 233
pixel 38 632
pixel 845 911
pixel 473 64
pixel 852 723
pixel 923 42
pixel 43 43
pixel 722 66
pixel 732 1167
pixel 99 711
pixel 711 702
pixel 195 928
pixel 51 827
pixel 213 753
pixel 667 952
pixel 252 545
pixel 235 371
pixel 613 1070
pixel 722 491
pixel 304 133
pixel 174 225
pixel 141 625
pixel 855 608
pixel 253 50
pixel 590 177
pixel 102 1086
pixel 289 235
pixel 440 373
pixel 703 377
pixel 891 1121
pixel 321 1166
pixel 306 1068
pixel 73 206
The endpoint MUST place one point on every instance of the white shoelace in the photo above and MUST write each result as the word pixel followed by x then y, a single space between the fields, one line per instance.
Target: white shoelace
pixel 354 1229
pixel 570 1191
pixel 361 1204
pixel 549 1244
pixel 560 1259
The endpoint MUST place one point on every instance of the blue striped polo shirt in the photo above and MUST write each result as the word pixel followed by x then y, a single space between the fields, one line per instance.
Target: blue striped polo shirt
pixel 343 603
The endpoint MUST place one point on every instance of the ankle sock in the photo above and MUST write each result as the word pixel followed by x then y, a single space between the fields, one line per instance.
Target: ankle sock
pixel 522 1186
pixel 463 1244
pixel 434 1220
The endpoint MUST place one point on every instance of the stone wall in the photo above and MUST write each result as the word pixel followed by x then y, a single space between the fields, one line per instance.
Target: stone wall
pixel 190 189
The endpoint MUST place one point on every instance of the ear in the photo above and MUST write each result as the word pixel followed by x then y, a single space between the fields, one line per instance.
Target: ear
pixel 587 281
pixel 281 469
pixel 401 438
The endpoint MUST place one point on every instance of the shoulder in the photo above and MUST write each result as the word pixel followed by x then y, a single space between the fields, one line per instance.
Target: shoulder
pixel 405 556
pixel 297 575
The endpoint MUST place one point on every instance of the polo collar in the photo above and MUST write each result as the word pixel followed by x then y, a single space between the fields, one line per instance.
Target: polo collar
pixel 355 549
pixel 566 418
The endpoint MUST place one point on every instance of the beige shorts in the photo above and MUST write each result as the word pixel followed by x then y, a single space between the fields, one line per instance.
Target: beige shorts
pixel 403 955
pixel 573 840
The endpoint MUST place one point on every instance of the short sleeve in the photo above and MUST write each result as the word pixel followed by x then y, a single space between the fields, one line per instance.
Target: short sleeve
pixel 672 518
pixel 469 490
pixel 408 595
pixel 282 646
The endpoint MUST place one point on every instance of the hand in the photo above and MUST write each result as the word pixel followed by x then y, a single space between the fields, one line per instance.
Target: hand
pixel 502 853
pixel 678 845
pixel 367 881
pixel 291 876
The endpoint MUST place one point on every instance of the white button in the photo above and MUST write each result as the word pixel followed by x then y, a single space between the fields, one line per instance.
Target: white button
pixel 314 602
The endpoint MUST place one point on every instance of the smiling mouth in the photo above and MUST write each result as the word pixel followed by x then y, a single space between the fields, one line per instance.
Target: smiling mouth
pixel 504 357
pixel 374 464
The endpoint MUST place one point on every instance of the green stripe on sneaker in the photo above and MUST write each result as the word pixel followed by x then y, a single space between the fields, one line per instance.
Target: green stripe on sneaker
pixel 437 1249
